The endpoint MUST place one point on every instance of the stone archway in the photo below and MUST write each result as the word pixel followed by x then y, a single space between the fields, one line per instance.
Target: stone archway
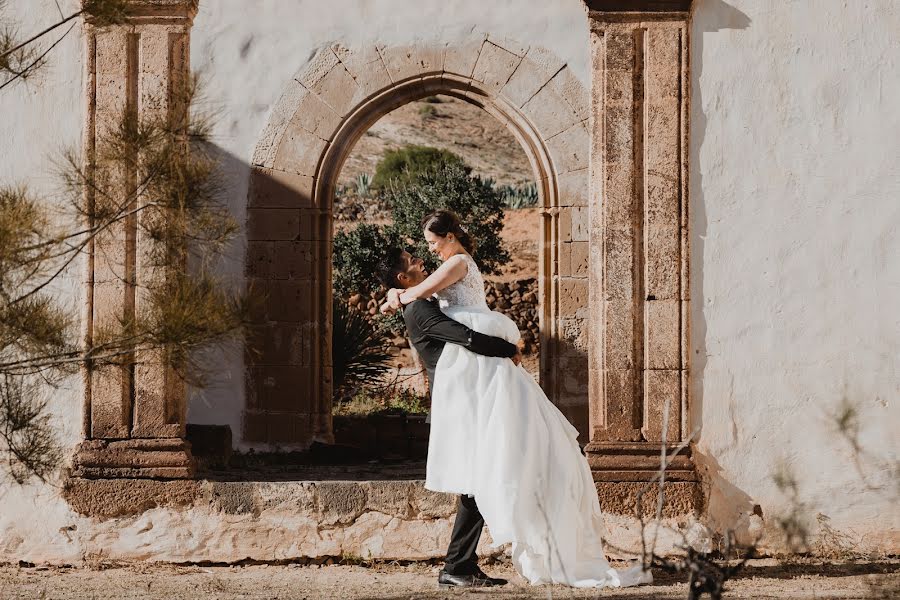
pixel 332 101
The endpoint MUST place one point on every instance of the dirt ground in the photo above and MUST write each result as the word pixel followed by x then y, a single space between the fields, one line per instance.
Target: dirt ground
pixel 762 579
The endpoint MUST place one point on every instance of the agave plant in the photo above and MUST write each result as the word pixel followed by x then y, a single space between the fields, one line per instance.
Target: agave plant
pixel 522 196
pixel 358 351
pixel 363 184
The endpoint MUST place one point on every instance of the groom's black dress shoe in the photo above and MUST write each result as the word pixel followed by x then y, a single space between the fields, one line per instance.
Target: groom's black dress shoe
pixel 477 579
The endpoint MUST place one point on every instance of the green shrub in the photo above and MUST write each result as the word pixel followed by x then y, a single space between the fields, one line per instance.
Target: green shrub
pixel 373 401
pixel 426 111
pixel 357 253
pixel 399 167
pixel 358 349
pixel 478 204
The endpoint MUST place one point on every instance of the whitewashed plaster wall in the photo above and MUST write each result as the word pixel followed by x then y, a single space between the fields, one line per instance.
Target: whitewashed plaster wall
pixel 794 217
pixel 795 256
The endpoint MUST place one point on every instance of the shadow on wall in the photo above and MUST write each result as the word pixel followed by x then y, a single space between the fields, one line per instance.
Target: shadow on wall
pixel 728 506
pixel 222 400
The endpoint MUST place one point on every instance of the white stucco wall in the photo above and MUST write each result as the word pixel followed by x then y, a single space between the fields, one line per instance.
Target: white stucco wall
pixel 795 209
pixel 794 222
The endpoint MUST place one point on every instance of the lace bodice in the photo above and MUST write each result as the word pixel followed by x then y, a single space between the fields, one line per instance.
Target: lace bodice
pixel 468 291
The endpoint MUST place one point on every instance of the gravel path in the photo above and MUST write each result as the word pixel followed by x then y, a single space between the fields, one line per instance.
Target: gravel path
pixel 763 579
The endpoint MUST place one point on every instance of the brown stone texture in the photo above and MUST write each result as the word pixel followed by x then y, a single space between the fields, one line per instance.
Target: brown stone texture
pixel 682 498
pixel 638 233
pixel 165 458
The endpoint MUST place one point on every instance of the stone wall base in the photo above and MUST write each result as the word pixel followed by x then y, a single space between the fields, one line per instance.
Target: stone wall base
pixel 232 521
pixel 164 458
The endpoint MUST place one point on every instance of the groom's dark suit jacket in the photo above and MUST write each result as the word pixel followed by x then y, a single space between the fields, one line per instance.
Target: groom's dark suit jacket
pixel 429 330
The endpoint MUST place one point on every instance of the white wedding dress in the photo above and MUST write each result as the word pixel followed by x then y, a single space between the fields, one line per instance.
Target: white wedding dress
pixel 496 436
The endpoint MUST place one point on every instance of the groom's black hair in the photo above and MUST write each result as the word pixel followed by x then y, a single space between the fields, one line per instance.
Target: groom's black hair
pixel 390 266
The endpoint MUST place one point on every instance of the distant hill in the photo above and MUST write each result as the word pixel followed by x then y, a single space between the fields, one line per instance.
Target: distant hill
pixel 443 122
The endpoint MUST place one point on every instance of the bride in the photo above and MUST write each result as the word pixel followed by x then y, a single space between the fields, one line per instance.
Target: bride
pixel 497 437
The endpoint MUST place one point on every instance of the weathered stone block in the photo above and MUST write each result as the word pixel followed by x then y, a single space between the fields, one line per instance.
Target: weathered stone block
pixel 570 149
pixel 390 497
pixel 259 260
pixel 290 300
pixel 619 134
pixel 282 113
pixel 573 297
pixel 619 51
pixel 660 388
pixel 662 263
pixel 339 501
pixel 618 335
pixel 621 416
pixel 662 146
pixel 619 90
pixel 495 66
pixel 110 402
pixel 265 224
pixel 550 112
pixel 685 337
pixel 581 228
pixel 461 58
pixel 573 188
pixel 685 253
pixel 509 44
pixel 405 62
pixel 293 260
pixel 538 67
pixel 315 116
pixel 336 87
pixel 663 331
pixel 663 61
pixel 579 258
pixel 299 151
pixel 567 85
pixel 618 195
pixel 277 189
pixel 618 264
pixel 366 67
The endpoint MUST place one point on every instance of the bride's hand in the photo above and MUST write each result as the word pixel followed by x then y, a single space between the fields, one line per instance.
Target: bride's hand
pixel 386 309
pixel 393 298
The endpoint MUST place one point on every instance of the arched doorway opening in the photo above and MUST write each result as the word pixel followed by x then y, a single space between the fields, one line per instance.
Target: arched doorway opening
pixel 336 99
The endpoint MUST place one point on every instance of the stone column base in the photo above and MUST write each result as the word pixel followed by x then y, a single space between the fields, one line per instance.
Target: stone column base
pixel 623 470
pixel 166 458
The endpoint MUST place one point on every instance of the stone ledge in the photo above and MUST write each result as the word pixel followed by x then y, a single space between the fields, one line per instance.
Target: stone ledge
pixel 329 502
pixel 682 498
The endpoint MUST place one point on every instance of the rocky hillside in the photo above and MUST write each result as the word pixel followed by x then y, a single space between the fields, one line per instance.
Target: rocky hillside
pixel 448 123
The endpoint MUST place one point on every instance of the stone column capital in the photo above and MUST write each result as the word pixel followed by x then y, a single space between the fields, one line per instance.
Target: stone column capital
pixel 153 11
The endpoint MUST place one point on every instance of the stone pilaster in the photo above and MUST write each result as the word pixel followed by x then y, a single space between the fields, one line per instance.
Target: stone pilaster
pixel 638 212
pixel 135 415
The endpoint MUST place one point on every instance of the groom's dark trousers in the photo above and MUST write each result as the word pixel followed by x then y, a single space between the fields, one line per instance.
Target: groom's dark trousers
pixel 429 330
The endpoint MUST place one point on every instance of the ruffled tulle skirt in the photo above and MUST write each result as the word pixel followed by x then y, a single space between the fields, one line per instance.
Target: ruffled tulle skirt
pixel 496 436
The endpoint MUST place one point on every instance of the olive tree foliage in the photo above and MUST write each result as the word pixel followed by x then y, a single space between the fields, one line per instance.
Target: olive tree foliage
pixel 156 174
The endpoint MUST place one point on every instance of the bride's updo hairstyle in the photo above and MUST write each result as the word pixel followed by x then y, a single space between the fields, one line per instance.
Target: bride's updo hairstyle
pixel 443 222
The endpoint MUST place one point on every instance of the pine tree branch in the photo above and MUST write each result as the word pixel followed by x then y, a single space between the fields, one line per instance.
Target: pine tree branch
pixel 35 62
pixel 41 34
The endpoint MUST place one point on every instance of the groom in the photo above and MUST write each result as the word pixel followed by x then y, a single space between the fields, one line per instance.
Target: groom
pixel 429 330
